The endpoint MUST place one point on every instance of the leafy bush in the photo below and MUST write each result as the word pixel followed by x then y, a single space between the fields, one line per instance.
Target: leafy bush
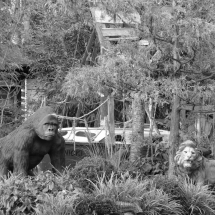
pixel 156 163
pixel 195 199
pixel 9 123
pixel 62 203
pixel 20 195
pixel 156 201
pixel 17 195
pixel 90 168
pixel 199 199
pixel 136 195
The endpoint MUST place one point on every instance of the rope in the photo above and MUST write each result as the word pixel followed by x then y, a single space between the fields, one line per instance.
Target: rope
pixel 80 118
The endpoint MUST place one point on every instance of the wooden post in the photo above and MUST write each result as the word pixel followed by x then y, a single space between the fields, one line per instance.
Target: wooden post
pixel 111 118
pixel 174 133
pixel 104 107
pixel 213 138
pixel 175 116
pixel 198 128
pixel 138 114
pixel 24 101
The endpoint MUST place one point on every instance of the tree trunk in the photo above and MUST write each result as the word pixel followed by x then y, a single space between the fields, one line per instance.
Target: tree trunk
pixel 174 133
pixel 111 120
pixel 150 109
pixel 175 116
pixel 138 111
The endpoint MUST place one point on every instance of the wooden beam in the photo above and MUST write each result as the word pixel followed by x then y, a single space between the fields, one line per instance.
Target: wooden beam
pixel 121 38
pixel 199 108
pixel 120 32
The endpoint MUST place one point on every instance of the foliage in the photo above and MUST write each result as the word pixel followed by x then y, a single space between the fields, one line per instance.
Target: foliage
pixel 48 36
pixel 50 194
pixel 158 202
pixel 116 154
pixel 198 197
pixel 141 193
pixel 11 120
pixel 57 37
pixel 123 188
pixel 88 205
pixel 76 85
pixel 90 168
pixel 194 198
pixel 152 161
pixel 20 195
pixel 62 203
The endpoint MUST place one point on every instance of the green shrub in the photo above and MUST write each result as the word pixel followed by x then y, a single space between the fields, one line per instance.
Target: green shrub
pixel 195 199
pixel 199 199
pixel 62 203
pixel 20 195
pixel 156 163
pixel 90 168
pixel 17 195
pixel 136 195
pixel 156 201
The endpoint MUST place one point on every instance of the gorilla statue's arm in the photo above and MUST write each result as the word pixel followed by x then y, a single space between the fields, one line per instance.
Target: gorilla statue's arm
pixel 57 154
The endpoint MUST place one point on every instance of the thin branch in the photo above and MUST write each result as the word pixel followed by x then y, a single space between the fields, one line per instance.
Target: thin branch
pixel 206 78
pixel 76 47
pixel 162 39
pixel 189 71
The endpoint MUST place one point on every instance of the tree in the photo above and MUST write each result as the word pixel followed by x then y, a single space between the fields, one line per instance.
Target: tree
pixel 181 34
pixel 177 64
pixel 48 37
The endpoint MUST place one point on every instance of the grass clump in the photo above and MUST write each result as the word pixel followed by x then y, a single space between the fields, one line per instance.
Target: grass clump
pixel 136 195
pixel 90 168
pixel 195 199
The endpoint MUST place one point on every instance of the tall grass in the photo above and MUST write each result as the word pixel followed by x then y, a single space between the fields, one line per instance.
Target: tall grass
pixel 195 199
pixel 116 155
pixel 61 204
pixel 142 195
pixel 199 199
pixel 157 202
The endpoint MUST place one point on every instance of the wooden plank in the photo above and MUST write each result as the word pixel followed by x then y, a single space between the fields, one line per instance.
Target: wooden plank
pixel 199 108
pixel 122 32
pixel 122 38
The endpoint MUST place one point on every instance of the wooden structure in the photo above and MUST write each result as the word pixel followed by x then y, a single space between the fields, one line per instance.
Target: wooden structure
pixel 111 28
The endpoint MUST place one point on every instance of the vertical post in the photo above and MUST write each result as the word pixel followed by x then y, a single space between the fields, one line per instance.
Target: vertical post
pixel 213 138
pixel 174 133
pixel 26 99
pixel 111 118
pixel 104 107
pixel 137 138
pixel 175 116
pixel 103 46
pixel 198 128
pixel 24 102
